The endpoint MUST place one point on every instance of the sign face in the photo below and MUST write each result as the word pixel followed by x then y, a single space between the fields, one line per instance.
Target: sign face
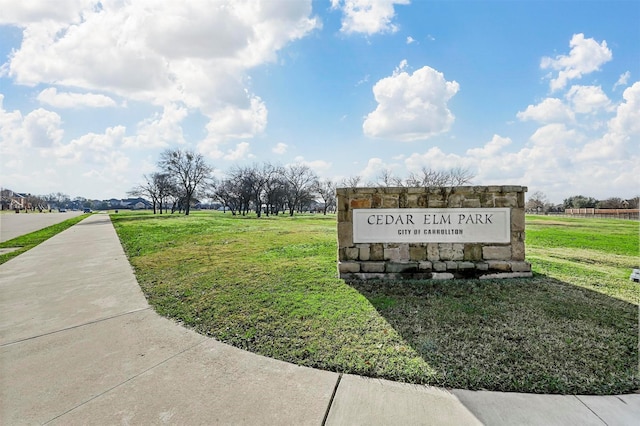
pixel 477 225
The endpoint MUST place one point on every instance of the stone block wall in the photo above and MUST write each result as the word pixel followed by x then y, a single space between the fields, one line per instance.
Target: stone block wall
pixel 434 260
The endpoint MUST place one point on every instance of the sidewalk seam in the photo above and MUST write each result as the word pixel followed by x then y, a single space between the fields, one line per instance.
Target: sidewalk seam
pixel 73 327
pixel 589 408
pixel 126 381
pixel 333 395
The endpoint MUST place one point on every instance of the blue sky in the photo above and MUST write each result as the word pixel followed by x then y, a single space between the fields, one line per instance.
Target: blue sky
pixel 535 93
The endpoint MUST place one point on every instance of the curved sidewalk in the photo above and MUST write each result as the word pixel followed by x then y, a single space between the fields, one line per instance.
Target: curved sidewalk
pixel 80 345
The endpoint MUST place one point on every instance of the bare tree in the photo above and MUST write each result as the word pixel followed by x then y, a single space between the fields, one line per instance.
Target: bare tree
pixel 537 202
pixel 300 179
pixel 190 171
pixel 440 178
pixel 351 182
pixel 386 178
pixel 326 189
pixel 459 176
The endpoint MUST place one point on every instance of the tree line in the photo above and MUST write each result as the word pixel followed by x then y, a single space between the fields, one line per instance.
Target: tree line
pixel 184 177
pixel 538 201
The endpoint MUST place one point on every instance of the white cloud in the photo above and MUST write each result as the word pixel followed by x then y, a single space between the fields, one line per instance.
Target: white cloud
pixel 367 16
pixel 38 129
pixel 623 80
pixel 42 128
pixel 51 96
pixel 233 122
pixel 96 149
pixel 280 148
pixel 410 40
pixel 160 130
pixel 193 53
pixel 411 106
pixel 26 12
pixel 491 148
pixel 435 159
pixel 587 99
pixel 241 151
pixel 320 167
pixel 551 110
pixel 586 56
pixel 627 119
pixel 372 169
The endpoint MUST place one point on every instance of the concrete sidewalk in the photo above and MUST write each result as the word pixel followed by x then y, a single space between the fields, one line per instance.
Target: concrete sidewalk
pixel 80 345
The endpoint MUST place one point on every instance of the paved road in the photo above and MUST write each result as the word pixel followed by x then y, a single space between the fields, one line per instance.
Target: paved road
pixel 80 345
pixel 13 225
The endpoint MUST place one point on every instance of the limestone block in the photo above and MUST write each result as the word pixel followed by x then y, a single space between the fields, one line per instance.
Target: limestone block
pixel 458 251
pixel 403 201
pixel 376 201
pixel 449 251
pixel 499 265
pixel 390 202
pixel 418 253
pixel 520 266
pixel 451 265
pixel 517 220
pixel 471 203
pixel 437 203
pixel 393 267
pixel 472 252
pixel 345 216
pixel 482 266
pixel 376 252
pixel 466 265
pixel 404 252
pixel 455 201
pixel 513 188
pixel 376 267
pixel 432 252
pixel 345 234
pixel 510 200
pixel 347 267
pixel 486 200
pixel 442 276
pixel 517 251
pixel 365 251
pixel 392 254
pixel 439 266
pixel 496 252
pixel 352 253
pixel 425 265
pixel 446 251
pixel 360 203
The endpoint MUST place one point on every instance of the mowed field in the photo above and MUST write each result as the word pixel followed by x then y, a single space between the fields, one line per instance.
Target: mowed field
pixel 270 286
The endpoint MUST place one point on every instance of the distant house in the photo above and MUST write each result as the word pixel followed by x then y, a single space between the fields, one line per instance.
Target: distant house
pixel 135 204
pixel 13 200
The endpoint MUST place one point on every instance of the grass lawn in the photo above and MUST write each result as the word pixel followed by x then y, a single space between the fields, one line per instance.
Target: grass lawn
pixel 29 241
pixel 270 286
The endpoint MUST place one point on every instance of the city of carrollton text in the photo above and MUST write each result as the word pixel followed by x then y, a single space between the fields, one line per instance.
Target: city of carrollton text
pixel 431 219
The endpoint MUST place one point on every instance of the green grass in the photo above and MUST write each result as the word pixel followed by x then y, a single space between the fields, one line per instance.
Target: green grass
pixel 597 254
pixel 270 286
pixel 29 241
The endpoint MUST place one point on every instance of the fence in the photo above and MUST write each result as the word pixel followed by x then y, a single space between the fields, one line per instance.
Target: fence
pixel 604 213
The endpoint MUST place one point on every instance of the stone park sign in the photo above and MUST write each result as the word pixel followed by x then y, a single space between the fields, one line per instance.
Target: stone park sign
pixel 431 233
